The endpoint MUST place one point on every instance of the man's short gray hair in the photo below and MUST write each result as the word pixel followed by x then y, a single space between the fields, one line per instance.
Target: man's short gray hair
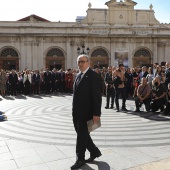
pixel 83 55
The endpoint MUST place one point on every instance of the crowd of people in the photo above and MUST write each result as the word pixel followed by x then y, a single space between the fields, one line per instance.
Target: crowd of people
pixel 148 86
pixel 29 82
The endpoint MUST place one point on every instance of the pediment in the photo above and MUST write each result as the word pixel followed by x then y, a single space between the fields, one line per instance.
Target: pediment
pixel 34 18
pixel 115 3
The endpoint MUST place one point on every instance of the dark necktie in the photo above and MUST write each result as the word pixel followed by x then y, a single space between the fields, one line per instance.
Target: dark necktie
pixel 78 79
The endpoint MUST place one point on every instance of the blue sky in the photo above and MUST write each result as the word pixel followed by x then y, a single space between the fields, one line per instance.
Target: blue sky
pixel 68 10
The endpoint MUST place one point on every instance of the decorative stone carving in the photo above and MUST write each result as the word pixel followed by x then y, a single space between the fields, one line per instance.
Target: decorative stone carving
pixel 55 52
pixel 72 42
pixel 30 41
pixel 121 16
pixel 82 43
pixel 9 52
pixel 99 53
pixel 142 53
pixel 89 5
pixel 99 32
pixel 151 7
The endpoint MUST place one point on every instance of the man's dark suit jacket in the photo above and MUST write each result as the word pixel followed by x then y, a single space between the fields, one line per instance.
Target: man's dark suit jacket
pixel 13 79
pixel 36 79
pixel 87 97
pixel 145 74
pixel 47 77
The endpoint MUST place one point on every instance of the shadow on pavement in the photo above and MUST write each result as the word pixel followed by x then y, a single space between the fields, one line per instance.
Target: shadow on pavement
pixel 9 98
pixel 35 96
pixel 101 166
pixel 156 116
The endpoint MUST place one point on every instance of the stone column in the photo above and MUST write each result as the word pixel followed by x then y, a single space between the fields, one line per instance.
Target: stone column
pixel 155 52
pixel 167 52
pixel 112 53
pixel 130 57
pixel 68 57
pixel 34 57
pixel 41 56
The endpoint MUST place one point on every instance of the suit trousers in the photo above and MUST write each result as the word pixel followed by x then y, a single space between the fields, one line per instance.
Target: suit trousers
pixel 84 140
pixel 146 103
pixel 110 93
pixel 121 91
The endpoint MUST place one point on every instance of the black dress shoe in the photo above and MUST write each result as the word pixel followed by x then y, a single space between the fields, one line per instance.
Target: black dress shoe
pixel 78 164
pixel 124 109
pixel 106 107
pixel 92 157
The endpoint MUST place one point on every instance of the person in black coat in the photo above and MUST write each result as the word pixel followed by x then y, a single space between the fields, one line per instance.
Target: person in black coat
pixel 47 81
pixel 87 99
pixel 167 74
pixel 53 80
pixel 36 82
pixel 61 80
pixel 13 82
pixel 110 90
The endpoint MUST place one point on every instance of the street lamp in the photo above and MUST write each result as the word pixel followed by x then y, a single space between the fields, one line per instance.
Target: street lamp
pixel 83 50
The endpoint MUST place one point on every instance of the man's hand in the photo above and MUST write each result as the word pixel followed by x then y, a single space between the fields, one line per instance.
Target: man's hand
pixel 96 119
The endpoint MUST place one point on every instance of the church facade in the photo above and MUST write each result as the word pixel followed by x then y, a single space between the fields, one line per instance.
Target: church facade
pixel 117 34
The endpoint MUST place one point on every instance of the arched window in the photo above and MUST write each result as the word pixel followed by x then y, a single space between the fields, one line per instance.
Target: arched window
pixel 8 52
pixel 55 53
pixel 99 53
pixel 142 53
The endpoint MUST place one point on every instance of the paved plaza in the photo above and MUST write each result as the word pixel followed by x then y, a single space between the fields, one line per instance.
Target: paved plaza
pixel 39 135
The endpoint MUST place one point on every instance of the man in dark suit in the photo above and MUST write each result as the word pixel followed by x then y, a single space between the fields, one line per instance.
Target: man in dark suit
pixel 61 78
pixel 36 82
pixel 13 82
pixel 87 99
pixel 47 81
pixel 144 72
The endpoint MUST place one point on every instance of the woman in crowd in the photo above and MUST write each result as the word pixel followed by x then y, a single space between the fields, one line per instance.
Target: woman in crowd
pixel 150 76
pixel 20 83
pixel 136 80
pixel 158 72
pixel 3 83
pixel 27 82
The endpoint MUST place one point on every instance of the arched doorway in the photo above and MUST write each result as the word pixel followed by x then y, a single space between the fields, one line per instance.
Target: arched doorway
pixel 55 59
pixel 9 59
pixel 142 57
pixel 99 58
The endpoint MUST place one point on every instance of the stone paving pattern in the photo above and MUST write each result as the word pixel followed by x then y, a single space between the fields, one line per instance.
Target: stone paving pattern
pixel 39 135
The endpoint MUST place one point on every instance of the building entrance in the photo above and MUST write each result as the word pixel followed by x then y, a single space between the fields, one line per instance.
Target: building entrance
pixel 99 58
pixel 56 66
pixel 142 57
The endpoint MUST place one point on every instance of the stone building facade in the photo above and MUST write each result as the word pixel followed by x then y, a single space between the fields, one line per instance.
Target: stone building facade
pixel 116 34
